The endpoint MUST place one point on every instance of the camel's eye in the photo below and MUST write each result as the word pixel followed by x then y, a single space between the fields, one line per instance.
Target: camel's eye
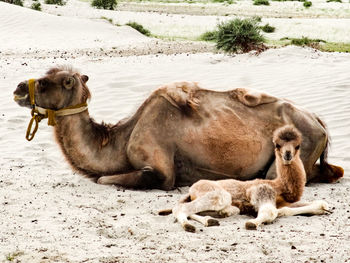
pixel 278 146
pixel 297 147
pixel 43 84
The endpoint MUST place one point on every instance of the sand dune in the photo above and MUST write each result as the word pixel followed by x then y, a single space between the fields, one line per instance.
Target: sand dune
pixel 26 29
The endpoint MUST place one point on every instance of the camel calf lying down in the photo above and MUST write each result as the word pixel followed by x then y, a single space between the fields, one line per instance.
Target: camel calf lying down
pixel 269 198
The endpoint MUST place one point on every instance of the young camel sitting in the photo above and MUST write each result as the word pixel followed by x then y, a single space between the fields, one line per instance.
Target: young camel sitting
pixel 269 198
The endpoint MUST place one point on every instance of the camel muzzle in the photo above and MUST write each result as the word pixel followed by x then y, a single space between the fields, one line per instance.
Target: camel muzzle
pixel 287 156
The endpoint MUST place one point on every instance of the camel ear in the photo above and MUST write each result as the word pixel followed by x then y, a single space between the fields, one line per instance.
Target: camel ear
pixel 69 82
pixel 84 78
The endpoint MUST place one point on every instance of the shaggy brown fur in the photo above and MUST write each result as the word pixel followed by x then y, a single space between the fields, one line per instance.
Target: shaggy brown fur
pixel 230 196
pixel 179 135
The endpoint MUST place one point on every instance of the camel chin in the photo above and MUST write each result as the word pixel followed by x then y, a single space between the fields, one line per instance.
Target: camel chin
pixel 22 100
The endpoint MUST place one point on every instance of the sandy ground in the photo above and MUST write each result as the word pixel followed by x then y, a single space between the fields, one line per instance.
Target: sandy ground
pixel 50 214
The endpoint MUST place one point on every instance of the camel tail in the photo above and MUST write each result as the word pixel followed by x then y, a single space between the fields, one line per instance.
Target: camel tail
pixel 324 155
pixel 165 212
pixel 328 173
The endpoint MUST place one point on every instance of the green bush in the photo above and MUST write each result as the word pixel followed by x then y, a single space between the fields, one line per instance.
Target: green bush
pixel 239 35
pixel 338 1
pixel 268 29
pixel 36 6
pixel 104 4
pixel 307 4
pixel 139 28
pixel 261 2
pixel 209 36
pixel 14 2
pixel 55 2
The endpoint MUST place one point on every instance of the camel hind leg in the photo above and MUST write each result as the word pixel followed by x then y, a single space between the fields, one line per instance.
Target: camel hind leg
pixel 318 207
pixel 216 200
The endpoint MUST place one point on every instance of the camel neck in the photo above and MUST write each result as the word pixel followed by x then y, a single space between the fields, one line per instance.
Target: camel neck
pixel 92 148
pixel 291 178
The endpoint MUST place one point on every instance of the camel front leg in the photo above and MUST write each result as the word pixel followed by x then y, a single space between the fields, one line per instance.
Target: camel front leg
pixel 318 207
pixel 144 178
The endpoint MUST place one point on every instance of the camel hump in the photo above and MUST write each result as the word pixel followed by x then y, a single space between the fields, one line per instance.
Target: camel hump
pixel 181 95
pixel 252 98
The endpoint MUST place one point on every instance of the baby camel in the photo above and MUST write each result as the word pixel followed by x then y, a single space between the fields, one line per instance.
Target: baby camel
pixel 269 198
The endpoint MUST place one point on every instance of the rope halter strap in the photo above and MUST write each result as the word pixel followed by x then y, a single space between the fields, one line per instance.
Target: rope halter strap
pixel 39 113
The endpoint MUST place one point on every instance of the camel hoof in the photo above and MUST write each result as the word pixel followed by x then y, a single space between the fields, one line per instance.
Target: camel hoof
pixel 102 180
pixel 189 228
pixel 250 226
pixel 212 222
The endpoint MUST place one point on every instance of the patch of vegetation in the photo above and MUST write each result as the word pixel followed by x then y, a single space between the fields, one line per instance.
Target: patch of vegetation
pixel 223 1
pixel 104 4
pixel 239 35
pixel 209 36
pixel 268 29
pixel 14 2
pixel 290 0
pixel 110 20
pixel 55 2
pixel 304 41
pixel 139 28
pixel 36 6
pixel 12 256
pixel 307 4
pixel 335 47
pixel 337 1
pixel 261 2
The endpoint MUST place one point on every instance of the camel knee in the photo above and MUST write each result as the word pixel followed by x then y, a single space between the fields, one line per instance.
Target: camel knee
pixel 267 213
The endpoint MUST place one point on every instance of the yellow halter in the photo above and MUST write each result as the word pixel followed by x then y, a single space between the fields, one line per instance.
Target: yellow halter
pixel 39 113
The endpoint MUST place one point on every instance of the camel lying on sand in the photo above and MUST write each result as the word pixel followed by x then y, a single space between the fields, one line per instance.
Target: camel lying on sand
pixel 269 198
pixel 179 135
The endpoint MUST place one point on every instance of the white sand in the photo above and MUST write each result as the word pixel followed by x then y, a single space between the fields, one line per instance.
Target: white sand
pixel 50 214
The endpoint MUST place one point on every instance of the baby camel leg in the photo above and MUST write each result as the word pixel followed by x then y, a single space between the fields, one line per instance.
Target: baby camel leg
pixel 213 200
pixel 318 207
pixel 262 197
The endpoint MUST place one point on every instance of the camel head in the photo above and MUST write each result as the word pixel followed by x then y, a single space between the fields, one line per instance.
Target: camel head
pixel 287 140
pixel 59 88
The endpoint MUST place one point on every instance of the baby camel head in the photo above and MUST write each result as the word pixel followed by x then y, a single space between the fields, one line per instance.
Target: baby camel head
pixel 59 88
pixel 287 140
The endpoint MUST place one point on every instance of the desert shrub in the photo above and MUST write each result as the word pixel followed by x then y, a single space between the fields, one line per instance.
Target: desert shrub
pixel 36 6
pixel 55 2
pixel 14 2
pixel 209 35
pixel 139 28
pixel 239 35
pixel 268 29
pixel 261 2
pixel 307 4
pixel 104 4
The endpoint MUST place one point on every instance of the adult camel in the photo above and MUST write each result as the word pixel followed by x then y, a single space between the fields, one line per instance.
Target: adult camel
pixel 180 134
